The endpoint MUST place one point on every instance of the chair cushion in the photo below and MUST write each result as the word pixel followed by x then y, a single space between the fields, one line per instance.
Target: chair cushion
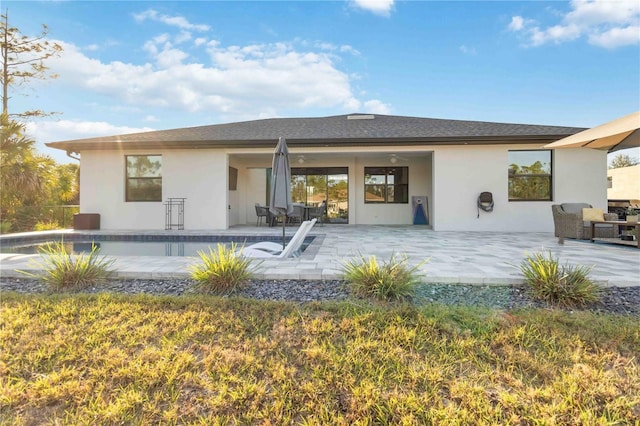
pixel 592 214
pixel 575 208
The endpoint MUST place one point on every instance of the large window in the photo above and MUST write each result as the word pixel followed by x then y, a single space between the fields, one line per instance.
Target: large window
pixel 530 176
pixel 386 184
pixel 144 178
pixel 313 186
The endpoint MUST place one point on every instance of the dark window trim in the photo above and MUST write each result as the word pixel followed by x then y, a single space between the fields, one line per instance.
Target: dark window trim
pixel 127 179
pixel 386 185
pixel 525 175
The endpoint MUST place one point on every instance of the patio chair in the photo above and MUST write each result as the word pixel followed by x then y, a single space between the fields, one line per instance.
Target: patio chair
pixel 261 212
pixel 297 215
pixel 569 222
pixel 270 249
pixel 317 212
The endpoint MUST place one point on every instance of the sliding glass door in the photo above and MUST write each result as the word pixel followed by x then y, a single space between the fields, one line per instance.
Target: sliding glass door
pixel 314 185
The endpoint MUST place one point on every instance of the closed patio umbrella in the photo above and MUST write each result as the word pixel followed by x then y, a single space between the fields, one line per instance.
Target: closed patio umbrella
pixel 621 133
pixel 280 198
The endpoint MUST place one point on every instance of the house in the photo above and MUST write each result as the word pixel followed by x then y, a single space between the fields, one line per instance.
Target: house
pixel 623 188
pixel 367 167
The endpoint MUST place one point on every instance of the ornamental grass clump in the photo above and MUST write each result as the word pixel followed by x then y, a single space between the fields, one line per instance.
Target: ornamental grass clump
pixel 222 271
pixel 64 271
pixel 562 285
pixel 393 280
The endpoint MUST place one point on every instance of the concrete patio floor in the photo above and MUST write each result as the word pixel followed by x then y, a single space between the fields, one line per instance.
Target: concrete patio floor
pixel 454 257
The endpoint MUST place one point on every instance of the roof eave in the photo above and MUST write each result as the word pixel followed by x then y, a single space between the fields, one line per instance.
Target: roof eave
pixel 77 146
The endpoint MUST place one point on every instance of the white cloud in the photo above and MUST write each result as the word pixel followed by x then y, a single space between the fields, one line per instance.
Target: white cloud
pixel 51 131
pixel 616 37
pixel 379 7
pixel 605 23
pixel 237 81
pixel 468 50
pixel 516 24
pixel 62 130
pixel 376 107
pixel 175 21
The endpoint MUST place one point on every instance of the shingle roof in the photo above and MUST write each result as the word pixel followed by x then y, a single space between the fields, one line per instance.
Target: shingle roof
pixel 344 130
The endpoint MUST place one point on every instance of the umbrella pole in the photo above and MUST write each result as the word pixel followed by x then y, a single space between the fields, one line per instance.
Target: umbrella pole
pixel 284 219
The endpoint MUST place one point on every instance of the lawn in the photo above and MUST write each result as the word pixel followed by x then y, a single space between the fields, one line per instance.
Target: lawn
pixel 107 359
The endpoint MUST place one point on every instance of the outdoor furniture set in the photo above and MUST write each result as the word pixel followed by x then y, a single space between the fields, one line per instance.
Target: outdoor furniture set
pixel 581 221
pixel 300 213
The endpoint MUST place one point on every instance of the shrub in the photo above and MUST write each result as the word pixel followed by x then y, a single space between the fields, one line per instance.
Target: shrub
pixel 565 285
pixel 5 227
pixel 222 271
pixel 393 280
pixel 64 271
pixel 46 226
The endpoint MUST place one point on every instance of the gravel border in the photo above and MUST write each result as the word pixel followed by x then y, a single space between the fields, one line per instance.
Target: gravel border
pixel 618 300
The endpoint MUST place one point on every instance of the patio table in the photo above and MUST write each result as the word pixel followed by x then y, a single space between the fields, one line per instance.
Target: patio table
pixel 616 240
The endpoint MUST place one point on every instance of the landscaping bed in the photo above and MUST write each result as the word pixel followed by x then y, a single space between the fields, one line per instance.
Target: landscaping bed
pixel 618 300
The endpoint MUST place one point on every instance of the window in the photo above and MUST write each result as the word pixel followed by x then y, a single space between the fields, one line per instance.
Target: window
pixel 386 184
pixel 144 178
pixel 330 185
pixel 530 175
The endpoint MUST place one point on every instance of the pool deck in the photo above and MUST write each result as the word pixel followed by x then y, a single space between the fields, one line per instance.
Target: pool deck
pixel 454 257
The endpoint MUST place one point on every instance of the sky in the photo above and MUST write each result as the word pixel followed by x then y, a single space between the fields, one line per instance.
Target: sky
pixel 132 66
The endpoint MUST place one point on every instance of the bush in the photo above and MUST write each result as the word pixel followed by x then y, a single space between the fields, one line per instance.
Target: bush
pixel 64 271
pixel 565 286
pixel 5 227
pixel 393 280
pixel 222 271
pixel 46 226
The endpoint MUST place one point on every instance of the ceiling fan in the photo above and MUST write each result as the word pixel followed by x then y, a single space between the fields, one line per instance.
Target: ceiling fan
pixel 394 158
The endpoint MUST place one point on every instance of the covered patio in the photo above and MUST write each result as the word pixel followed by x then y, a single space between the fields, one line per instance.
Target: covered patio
pixel 455 257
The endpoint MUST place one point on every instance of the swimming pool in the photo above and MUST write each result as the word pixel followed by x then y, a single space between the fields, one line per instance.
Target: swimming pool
pixel 136 245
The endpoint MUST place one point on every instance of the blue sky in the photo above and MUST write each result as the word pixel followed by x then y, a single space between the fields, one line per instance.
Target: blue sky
pixel 134 66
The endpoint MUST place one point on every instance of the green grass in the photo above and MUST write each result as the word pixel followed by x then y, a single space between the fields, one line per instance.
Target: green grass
pixel 113 359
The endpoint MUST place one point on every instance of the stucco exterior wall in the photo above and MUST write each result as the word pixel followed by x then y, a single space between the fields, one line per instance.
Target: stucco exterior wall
pixel 388 214
pixel 197 175
pixel 462 173
pixel 451 176
pixel 625 183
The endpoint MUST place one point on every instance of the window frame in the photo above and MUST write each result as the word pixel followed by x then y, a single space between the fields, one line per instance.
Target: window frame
pixel 128 198
pixel 513 176
pixel 388 188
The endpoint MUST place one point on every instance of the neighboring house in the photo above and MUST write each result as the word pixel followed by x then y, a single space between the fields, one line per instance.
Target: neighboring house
pixel 623 186
pixel 366 167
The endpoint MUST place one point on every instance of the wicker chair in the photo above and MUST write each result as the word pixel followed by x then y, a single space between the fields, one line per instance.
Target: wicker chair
pixel 567 218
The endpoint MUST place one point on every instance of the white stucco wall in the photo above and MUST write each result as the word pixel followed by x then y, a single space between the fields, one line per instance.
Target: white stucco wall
pixel 462 173
pixel 625 183
pixel 451 176
pixel 200 176
pixel 388 214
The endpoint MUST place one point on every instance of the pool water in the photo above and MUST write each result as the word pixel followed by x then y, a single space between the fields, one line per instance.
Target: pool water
pixel 124 248
pixel 133 248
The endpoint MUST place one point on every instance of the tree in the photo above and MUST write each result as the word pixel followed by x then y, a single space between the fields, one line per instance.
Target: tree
pixel 622 160
pixel 21 168
pixel 23 59
pixel 29 181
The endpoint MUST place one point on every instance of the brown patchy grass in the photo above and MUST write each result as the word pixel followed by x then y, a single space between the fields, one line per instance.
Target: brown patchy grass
pixel 113 359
